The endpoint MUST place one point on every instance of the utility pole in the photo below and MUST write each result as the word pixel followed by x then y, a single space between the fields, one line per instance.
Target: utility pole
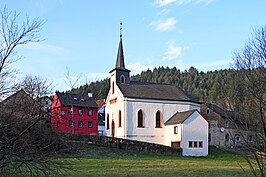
pixel 72 119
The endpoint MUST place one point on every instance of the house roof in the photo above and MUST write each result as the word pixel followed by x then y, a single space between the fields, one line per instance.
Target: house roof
pixel 179 117
pixel 100 102
pixel 238 118
pixel 82 100
pixel 17 95
pixel 21 104
pixel 20 98
pixel 146 90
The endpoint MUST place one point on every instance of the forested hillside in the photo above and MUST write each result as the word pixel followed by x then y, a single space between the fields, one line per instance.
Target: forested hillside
pixel 221 87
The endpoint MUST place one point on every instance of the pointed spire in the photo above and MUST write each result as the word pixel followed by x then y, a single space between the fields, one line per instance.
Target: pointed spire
pixel 120 63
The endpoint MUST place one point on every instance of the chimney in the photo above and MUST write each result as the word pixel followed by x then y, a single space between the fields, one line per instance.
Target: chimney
pixel 90 95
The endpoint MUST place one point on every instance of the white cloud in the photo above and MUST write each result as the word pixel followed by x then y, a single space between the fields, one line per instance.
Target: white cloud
pixel 162 3
pixel 47 48
pixel 163 25
pixel 172 52
pixel 138 67
pixel 205 2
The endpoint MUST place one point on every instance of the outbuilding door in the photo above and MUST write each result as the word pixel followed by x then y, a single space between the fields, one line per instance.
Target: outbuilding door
pixel 175 144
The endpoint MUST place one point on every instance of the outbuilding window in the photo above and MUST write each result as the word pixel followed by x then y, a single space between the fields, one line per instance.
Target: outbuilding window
pixel 140 118
pixel 195 144
pixel 190 144
pixel 200 144
pixel 175 130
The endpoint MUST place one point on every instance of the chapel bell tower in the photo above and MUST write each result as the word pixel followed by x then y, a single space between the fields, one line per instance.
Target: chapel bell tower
pixel 120 75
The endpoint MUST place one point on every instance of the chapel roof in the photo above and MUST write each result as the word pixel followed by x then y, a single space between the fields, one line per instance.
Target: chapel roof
pixel 179 117
pixel 147 90
pixel 82 100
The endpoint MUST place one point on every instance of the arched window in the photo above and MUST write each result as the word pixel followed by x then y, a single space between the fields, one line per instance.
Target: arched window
pixel 113 87
pixel 122 79
pixel 140 118
pixel 119 119
pixel 158 119
pixel 107 122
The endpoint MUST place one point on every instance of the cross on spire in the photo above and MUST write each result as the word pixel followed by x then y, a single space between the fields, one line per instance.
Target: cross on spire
pixel 120 63
pixel 121 30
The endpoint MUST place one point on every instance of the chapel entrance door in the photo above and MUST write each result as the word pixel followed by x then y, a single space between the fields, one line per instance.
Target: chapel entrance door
pixel 113 129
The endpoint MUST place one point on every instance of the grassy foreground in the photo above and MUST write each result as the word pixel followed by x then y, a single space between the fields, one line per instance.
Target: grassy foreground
pixel 112 162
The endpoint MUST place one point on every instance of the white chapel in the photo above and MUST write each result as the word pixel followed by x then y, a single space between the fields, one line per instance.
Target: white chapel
pixel 153 112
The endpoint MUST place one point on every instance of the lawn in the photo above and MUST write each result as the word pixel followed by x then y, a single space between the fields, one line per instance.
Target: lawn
pixel 112 162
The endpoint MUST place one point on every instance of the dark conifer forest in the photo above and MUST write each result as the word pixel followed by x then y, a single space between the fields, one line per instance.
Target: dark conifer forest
pixel 222 87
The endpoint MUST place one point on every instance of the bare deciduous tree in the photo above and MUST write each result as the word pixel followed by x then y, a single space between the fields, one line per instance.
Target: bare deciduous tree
pixel 70 81
pixel 27 144
pixel 12 35
pixel 35 86
pixel 250 63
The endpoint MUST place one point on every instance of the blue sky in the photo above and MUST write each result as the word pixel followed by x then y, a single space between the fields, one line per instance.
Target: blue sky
pixel 83 35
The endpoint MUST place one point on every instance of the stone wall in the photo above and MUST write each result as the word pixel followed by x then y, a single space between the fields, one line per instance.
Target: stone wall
pixel 125 144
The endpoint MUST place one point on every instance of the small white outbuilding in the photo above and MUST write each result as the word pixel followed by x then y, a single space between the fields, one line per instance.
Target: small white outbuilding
pixel 189 131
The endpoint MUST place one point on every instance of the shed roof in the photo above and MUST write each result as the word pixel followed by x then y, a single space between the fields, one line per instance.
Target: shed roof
pixel 179 117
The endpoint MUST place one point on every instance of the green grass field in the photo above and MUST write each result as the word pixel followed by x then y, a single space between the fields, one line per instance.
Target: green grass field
pixel 113 162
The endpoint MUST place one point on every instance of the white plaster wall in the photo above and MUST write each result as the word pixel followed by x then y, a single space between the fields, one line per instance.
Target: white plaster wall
pixel 149 133
pixel 107 111
pixel 170 136
pixel 195 128
pixel 113 110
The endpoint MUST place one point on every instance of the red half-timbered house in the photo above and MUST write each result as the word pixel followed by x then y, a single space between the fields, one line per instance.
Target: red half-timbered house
pixel 74 113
